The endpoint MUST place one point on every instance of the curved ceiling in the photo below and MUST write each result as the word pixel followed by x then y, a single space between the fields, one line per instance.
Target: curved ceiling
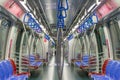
pixel 47 11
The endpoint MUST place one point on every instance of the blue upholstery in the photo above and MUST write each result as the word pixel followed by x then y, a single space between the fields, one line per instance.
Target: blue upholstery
pixel 9 67
pixel 32 58
pixel 78 63
pixel 33 62
pixel 38 63
pixel 2 76
pixel 113 67
pixel 112 72
pixel 6 69
pixel 100 77
pixel 84 62
pixel 117 73
pixel 85 58
pixel 108 67
pixel 20 77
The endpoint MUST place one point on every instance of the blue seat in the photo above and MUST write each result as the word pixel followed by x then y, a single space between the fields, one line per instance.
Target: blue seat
pixel 38 63
pixel 7 70
pixel 32 58
pixel 83 62
pixel 117 72
pixel 78 63
pixel 108 67
pixel 112 72
pixel 33 61
pixel 113 68
pixel 2 76
pixel 20 77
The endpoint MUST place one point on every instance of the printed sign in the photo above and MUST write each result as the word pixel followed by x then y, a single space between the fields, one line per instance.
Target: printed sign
pixel 14 8
pixel 106 8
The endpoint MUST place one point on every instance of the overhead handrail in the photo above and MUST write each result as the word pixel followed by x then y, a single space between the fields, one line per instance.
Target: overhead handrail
pixel 61 7
pixel 90 21
pixel 47 37
pixel 32 23
pixel 61 13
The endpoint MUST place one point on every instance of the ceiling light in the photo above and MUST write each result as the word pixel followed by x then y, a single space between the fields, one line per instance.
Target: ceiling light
pixel 23 4
pixel 91 7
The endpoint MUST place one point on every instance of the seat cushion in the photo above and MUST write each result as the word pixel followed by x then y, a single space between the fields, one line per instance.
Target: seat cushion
pixel 2 76
pixel 100 77
pixel 38 63
pixel 19 77
pixel 85 64
pixel 35 63
pixel 78 63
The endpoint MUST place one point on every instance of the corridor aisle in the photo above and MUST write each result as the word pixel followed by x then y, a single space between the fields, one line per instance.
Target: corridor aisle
pixel 73 73
pixel 50 72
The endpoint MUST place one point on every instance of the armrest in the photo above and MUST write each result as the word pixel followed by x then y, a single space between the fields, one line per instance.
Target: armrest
pixel 40 60
pixel 33 67
pixel 73 60
pixel 95 73
pixel 23 73
pixel 84 66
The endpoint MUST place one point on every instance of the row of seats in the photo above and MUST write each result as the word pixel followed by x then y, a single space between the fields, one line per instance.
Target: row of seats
pixel 8 71
pixel 84 62
pixel 110 71
pixel 34 63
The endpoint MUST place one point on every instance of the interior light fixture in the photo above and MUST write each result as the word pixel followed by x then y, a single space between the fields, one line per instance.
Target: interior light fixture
pixel 23 4
pixel 91 7
pixel 75 28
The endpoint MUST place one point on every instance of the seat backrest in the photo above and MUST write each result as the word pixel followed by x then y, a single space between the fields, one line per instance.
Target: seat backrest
pixel 85 59
pixel 9 65
pixel 13 66
pixel 2 73
pixel 6 69
pixel 32 58
pixel 112 69
pixel 117 73
pixel 108 67
pixel 104 66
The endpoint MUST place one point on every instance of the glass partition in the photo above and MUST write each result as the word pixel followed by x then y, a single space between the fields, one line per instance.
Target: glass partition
pixel 4 29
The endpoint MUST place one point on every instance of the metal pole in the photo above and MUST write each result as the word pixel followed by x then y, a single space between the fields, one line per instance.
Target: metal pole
pixel 59 55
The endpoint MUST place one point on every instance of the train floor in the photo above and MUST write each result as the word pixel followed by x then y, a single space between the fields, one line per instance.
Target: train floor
pixel 49 72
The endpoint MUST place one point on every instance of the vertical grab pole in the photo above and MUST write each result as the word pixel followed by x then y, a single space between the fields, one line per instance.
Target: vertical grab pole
pixel 61 15
pixel 59 55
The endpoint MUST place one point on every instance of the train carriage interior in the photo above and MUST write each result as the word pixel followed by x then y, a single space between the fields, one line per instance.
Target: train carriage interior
pixel 59 39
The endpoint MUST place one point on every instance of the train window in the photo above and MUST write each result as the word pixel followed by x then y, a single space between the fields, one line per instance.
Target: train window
pixel 93 45
pixel 77 48
pixel 100 36
pixel 4 28
pixel 101 41
pixel 18 40
pixel 25 42
pixel 17 54
pixel 34 46
pixel 115 36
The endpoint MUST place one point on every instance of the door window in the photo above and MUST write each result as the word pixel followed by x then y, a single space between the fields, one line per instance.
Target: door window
pixel 4 28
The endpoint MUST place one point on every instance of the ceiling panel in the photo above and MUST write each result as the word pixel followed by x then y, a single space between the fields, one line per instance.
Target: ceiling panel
pixel 48 9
